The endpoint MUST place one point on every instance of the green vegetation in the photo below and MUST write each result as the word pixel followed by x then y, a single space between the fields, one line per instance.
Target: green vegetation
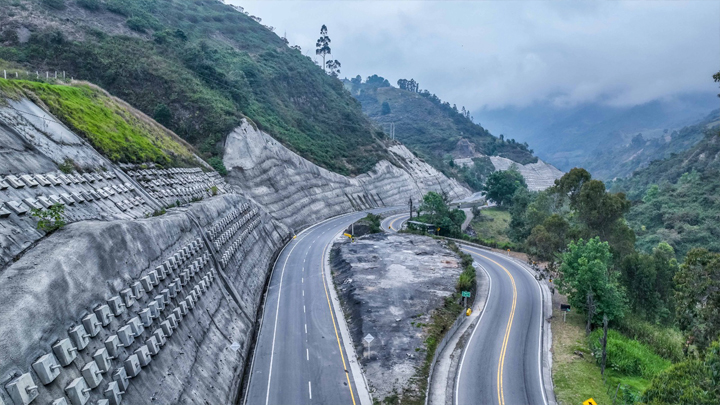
pixel 218 165
pixel 491 224
pixel 502 185
pixel 110 126
pixel 373 222
pixel 673 200
pixel 627 356
pixel 621 160
pixel 210 65
pixel 589 285
pixel 434 130
pixel 434 210
pixel 51 219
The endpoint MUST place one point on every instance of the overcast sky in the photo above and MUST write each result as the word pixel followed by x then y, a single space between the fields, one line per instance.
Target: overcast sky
pixel 492 54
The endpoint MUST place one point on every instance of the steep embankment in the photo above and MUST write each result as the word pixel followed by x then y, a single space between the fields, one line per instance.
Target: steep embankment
pixel 299 193
pixel 123 288
pixel 674 199
pixel 446 138
pixel 197 67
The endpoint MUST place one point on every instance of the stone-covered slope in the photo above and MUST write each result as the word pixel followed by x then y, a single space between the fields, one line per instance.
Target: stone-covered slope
pixel 299 193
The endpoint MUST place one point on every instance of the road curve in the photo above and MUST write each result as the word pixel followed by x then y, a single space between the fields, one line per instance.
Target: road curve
pixel 501 362
pixel 394 223
pixel 300 355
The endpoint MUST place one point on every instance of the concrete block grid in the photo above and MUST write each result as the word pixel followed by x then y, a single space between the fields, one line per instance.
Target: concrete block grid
pixel 155 329
pixel 179 184
pixel 100 194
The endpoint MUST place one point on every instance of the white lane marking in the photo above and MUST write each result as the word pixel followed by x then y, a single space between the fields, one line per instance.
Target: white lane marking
pixel 303 293
pixel 310 389
pixel 307 354
pixel 305 328
pixel 277 315
pixel 303 309
pixel 462 360
pixel 302 280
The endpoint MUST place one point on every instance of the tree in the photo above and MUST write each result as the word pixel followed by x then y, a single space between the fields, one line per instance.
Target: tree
pixel 502 185
pixel 716 77
pixel 163 115
pixel 598 209
pixel 697 295
pixel 691 382
pixel 548 239
pixel 377 81
pixel 385 108
pixel 648 280
pixel 571 183
pixel 588 282
pixel 322 46
pixel 434 209
pixel 333 67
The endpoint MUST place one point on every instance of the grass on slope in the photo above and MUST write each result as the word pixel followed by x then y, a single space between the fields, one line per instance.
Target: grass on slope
pixel 630 363
pixel 199 68
pixel 492 224
pixel 111 127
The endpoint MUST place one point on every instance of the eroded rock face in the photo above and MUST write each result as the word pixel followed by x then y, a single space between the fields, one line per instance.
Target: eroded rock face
pixel 299 193
pixel 389 284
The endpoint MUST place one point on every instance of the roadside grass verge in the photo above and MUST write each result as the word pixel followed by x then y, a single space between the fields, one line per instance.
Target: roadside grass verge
pixel 492 224
pixel 630 366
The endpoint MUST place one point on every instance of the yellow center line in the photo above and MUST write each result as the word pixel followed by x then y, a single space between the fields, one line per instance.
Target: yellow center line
pixel 503 350
pixel 337 337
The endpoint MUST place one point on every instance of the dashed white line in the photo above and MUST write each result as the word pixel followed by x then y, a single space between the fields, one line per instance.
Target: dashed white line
pixel 310 389
pixel 303 293
pixel 305 328
pixel 303 309
pixel 307 354
pixel 302 280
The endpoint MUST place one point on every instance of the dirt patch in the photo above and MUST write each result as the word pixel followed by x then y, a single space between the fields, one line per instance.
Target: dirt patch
pixel 389 285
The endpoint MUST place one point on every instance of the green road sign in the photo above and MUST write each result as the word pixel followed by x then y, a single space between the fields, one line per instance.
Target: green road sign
pixel 466 294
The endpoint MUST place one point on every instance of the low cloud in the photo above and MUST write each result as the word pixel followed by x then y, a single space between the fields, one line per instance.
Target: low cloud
pixel 492 54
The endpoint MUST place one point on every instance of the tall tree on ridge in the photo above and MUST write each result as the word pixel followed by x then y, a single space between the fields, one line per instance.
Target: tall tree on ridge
pixel 322 47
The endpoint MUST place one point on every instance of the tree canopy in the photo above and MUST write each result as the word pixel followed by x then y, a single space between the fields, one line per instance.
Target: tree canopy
pixel 502 185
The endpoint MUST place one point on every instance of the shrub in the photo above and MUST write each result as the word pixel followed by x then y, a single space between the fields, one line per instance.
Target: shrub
pixel 667 342
pixel 627 356
pixel 56 4
pixel 51 219
pixel 92 5
pixel 218 165
pixel 67 166
pixel 137 24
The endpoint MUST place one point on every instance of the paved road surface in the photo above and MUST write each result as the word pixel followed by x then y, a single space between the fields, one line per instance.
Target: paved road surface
pixel 501 363
pixel 393 223
pixel 300 356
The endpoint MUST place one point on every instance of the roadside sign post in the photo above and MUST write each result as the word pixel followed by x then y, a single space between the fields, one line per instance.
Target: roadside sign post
pixel 465 295
pixel 368 338
pixel 565 308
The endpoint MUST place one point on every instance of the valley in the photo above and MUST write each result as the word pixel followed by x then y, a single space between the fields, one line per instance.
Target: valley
pixel 202 202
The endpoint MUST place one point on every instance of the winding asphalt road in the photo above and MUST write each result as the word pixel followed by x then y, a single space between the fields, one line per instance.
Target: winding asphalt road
pixel 501 363
pixel 300 356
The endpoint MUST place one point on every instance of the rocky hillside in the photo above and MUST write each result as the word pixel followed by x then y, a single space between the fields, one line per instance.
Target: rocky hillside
pixel 621 160
pixel 675 199
pixel 442 135
pixel 197 67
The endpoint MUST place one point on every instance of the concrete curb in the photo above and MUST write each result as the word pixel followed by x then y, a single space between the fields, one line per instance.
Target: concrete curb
pixel 361 385
pixel 546 339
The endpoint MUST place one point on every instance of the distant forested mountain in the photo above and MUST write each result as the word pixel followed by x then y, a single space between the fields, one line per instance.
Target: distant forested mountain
pixel 570 137
pixel 621 160
pixel 435 130
pixel 677 199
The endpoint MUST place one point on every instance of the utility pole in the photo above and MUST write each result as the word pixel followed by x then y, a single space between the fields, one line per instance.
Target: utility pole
pixel 604 345
pixel 411 207
pixel 591 311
